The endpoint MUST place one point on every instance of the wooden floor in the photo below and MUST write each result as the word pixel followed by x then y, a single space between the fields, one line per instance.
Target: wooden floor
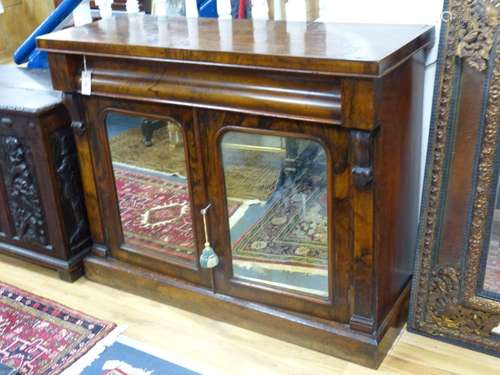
pixel 227 349
pixel 6 59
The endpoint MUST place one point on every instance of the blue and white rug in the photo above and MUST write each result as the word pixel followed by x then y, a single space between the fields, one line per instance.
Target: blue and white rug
pixel 126 356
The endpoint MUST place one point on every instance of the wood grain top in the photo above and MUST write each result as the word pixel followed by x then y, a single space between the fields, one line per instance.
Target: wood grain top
pixel 330 48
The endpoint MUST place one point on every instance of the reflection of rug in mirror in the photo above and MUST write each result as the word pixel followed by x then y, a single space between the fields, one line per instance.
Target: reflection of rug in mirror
pixel 156 213
pixel 492 273
pixel 163 156
pixel 292 232
pixel 249 174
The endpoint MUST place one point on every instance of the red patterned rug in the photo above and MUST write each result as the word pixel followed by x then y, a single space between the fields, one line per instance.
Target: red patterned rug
pixel 156 214
pixel 41 337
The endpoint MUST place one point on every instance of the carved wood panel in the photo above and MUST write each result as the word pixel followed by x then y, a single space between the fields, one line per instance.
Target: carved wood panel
pixel 68 178
pixel 22 191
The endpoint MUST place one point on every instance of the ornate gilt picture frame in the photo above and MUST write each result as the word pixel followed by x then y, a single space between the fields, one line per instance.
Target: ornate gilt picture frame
pixel 448 297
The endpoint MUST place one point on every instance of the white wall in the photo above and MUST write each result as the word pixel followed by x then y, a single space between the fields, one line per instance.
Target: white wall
pixel 394 11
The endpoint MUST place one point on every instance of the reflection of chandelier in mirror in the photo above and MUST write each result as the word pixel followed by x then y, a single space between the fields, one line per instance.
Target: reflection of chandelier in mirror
pixel 1 7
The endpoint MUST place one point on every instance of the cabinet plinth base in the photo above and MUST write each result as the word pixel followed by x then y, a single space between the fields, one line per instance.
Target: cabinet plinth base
pixel 69 270
pixel 324 336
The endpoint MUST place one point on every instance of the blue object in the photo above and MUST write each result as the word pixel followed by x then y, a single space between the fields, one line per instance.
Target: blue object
pixel 51 22
pixel 38 60
pixel 136 359
pixel 5 370
pixel 207 8
pixel 208 258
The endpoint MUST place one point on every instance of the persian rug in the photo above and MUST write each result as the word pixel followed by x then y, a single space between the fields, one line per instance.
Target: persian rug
pixel 249 174
pixel 155 212
pixel 292 231
pixel 129 357
pixel 41 337
pixel 163 156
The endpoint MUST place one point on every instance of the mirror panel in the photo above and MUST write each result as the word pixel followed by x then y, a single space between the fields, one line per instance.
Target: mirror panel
pixel 150 173
pixel 492 270
pixel 277 202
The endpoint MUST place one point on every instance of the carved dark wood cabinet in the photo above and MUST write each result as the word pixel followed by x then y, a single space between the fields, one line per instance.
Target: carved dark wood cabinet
pixel 42 212
pixel 262 173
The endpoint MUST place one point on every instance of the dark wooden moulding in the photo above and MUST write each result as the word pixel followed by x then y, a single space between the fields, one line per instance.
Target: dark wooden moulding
pixel 356 89
pixel 42 213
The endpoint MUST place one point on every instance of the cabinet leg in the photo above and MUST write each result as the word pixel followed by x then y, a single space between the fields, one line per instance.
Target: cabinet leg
pixel 70 275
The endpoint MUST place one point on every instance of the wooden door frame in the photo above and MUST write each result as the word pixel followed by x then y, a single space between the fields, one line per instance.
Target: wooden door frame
pixel 333 307
pixel 96 110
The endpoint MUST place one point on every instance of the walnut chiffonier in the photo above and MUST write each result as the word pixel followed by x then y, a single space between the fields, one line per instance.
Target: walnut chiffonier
pixel 261 173
pixel 42 213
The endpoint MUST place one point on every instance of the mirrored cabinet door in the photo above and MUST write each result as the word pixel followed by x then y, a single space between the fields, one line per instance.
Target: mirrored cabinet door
pixel 276 197
pixel 150 172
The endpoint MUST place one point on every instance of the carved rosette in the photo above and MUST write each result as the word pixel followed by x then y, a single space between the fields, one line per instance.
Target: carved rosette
pixel 68 176
pixel 446 314
pixel 22 190
pixel 476 32
pixel 442 299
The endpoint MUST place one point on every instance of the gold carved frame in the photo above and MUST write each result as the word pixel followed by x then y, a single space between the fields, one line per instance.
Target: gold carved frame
pixel 447 297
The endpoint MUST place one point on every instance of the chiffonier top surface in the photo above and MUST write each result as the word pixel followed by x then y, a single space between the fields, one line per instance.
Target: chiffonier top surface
pixel 329 48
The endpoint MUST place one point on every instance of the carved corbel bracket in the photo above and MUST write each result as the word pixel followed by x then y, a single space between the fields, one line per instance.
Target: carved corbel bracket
pixel 361 158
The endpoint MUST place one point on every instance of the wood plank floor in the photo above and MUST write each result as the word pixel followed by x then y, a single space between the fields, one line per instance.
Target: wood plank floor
pixel 227 349
pixel 6 59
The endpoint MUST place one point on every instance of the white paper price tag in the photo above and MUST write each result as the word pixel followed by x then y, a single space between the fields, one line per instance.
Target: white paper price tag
pixel 86 82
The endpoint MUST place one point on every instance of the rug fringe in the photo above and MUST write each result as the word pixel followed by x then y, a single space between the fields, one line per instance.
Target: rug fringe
pixel 88 358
